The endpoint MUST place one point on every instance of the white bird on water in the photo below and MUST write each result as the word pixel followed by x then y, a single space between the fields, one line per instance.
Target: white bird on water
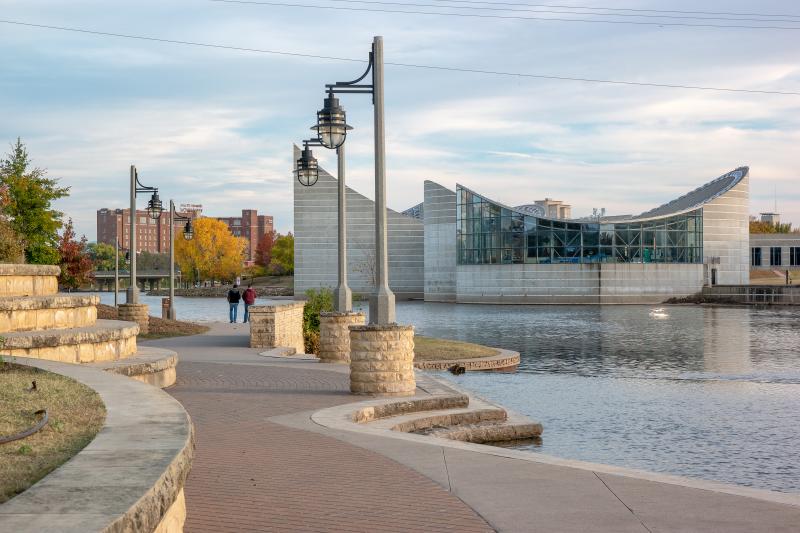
pixel 658 313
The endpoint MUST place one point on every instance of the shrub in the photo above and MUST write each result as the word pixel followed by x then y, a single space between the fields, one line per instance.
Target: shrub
pixel 319 300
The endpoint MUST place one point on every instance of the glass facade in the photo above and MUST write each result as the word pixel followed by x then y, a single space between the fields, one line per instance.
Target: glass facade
pixel 775 256
pixel 755 256
pixel 794 256
pixel 488 233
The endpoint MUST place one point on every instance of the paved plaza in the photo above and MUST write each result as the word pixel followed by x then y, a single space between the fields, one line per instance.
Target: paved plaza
pixel 262 464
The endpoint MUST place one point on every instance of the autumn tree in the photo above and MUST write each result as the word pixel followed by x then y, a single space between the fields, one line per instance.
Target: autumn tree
pixel 11 249
pixel 30 195
pixel 214 252
pixel 264 249
pixel 76 265
pixel 283 255
pixel 758 226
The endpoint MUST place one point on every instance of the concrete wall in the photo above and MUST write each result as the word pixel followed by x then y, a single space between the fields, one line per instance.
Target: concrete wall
pixel 316 248
pixel 577 283
pixel 726 234
pixel 765 241
pixel 440 243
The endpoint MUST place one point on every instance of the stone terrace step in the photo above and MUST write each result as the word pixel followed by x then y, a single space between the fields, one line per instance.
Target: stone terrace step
pixel 56 311
pixel 28 280
pixel 105 341
pixel 155 366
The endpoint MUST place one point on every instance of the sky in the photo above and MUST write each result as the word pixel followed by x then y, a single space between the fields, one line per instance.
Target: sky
pixel 216 126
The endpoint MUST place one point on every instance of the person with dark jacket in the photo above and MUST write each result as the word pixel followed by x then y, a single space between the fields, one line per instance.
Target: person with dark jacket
pixel 233 299
pixel 249 298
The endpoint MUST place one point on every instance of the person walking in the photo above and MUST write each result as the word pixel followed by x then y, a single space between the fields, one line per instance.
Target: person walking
pixel 233 299
pixel 249 298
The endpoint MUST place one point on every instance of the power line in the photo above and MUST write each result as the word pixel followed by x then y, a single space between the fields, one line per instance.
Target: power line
pixel 625 9
pixel 540 11
pixel 395 64
pixel 505 17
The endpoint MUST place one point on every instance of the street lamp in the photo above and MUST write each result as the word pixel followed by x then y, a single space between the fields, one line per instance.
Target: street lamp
pixel 188 234
pixel 307 168
pixel 331 126
pixel 154 209
pixel 332 130
pixel 307 175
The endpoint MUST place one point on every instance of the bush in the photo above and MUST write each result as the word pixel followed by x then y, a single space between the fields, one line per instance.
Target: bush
pixel 319 301
pixel 11 248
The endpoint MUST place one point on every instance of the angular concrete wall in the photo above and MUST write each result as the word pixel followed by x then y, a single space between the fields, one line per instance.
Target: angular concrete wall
pixel 440 243
pixel 316 248
pixel 726 234
pixel 590 283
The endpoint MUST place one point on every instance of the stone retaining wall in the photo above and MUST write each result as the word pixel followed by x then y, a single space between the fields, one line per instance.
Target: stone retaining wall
pixel 28 280
pixel 106 341
pixel 47 312
pixel 129 478
pixel 135 313
pixel 506 360
pixel 334 335
pixel 277 325
pixel 382 360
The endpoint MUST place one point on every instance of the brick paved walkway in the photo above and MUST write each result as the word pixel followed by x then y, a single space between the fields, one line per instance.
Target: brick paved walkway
pixel 253 475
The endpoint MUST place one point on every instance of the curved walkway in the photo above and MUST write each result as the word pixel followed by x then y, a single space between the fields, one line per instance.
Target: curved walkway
pixel 251 474
pixel 263 464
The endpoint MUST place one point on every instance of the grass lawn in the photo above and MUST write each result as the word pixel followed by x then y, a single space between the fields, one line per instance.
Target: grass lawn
pixel 431 349
pixel 76 415
pixel 159 327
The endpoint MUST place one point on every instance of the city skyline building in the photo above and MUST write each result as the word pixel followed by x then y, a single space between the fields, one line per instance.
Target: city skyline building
pixel 153 235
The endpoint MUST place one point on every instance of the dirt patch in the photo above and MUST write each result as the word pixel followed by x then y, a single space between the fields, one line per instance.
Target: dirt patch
pixel 160 328
pixel 76 414
pixel 431 349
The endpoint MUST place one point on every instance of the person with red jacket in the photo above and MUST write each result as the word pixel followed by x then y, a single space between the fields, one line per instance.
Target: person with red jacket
pixel 249 298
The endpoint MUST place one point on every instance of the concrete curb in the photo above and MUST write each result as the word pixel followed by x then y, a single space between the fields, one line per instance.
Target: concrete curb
pixel 129 478
pixel 341 418
pixel 504 360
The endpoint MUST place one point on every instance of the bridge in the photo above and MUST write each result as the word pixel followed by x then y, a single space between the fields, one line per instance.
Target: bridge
pixel 104 279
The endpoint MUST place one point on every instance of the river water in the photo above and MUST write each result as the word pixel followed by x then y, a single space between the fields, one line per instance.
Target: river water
pixel 706 392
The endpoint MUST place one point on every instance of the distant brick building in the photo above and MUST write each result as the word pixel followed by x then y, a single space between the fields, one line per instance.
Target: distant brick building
pixel 151 235
pixel 252 227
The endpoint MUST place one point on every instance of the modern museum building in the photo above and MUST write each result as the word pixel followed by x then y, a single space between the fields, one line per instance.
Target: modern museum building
pixel 461 246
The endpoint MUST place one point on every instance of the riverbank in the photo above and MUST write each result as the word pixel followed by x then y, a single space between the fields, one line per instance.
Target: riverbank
pixel 159 327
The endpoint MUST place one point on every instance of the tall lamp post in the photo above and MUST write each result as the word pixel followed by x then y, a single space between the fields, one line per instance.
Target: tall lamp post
pixel 154 209
pixel 188 234
pixel 116 269
pixel 332 129
pixel 307 175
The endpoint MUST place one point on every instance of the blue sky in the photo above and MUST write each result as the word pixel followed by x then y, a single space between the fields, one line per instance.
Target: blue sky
pixel 216 127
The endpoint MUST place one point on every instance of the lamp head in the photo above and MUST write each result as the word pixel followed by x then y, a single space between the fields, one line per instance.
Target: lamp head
pixel 154 206
pixel 307 168
pixel 188 231
pixel 331 126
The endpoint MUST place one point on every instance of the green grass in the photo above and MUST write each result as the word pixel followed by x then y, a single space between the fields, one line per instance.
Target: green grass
pixel 76 415
pixel 432 349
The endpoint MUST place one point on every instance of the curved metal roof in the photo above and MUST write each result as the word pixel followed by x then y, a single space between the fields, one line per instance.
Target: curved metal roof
pixel 699 196
pixel 688 202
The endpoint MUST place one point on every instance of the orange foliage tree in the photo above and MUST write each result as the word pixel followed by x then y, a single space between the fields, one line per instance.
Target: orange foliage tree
pixel 214 252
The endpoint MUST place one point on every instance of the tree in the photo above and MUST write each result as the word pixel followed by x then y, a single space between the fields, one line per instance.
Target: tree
pixel 102 255
pixel 151 261
pixel 283 255
pixel 214 252
pixel 757 226
pixel 264 248
pixel 11 249
pixel 30 195
pixel 76 265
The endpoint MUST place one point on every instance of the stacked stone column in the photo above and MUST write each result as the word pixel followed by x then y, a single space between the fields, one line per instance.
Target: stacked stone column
pixel 382 360
pixel 334 335
pixel 135 313
pixel 272 326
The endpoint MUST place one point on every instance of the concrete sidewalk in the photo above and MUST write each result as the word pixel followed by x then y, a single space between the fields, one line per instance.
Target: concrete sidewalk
pixel 263 464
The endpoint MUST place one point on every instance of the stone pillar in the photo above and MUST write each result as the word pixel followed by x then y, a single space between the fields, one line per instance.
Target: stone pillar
pixel 135 313
pixel 382 360
pixel 277 325
pixel 334 335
